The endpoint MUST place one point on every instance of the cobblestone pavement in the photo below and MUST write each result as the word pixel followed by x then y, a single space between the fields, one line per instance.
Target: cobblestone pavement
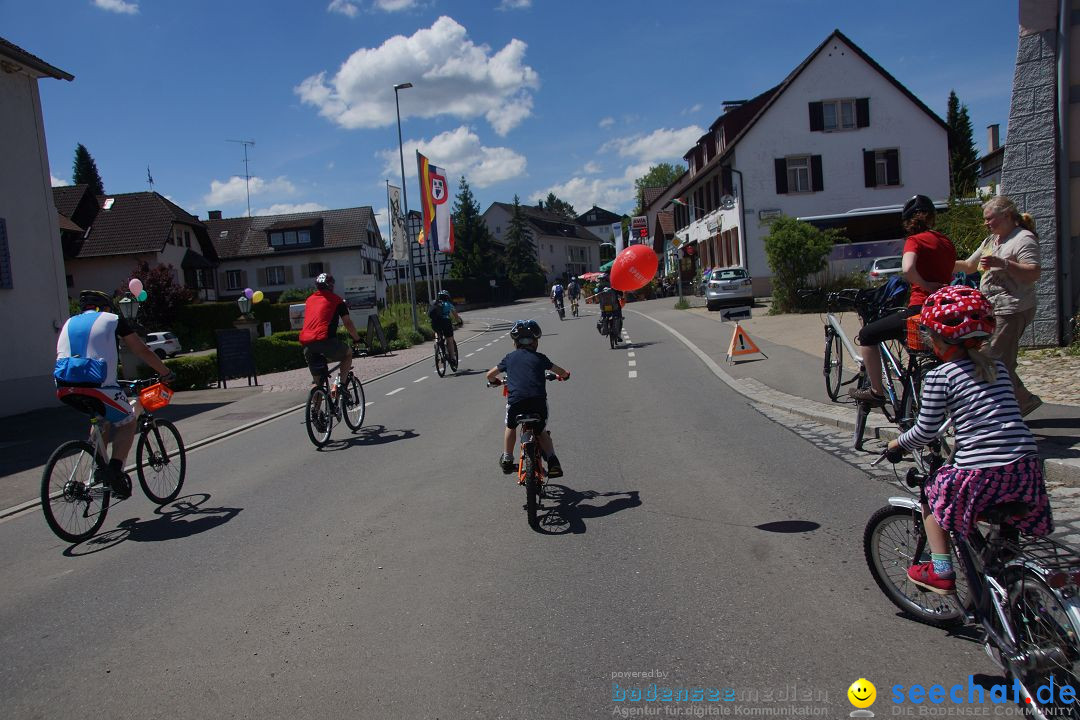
pixel 1052 375
pixel 1064 500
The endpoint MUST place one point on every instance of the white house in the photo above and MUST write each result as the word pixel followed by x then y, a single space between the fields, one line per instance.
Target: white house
pixel 838 133
pixel 564 246
pixel 33 304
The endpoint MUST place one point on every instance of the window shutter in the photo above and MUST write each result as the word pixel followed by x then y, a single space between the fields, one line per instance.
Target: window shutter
pixel 243 278
pixel 817 117
pixel 780 164
pixel 868 168
pixel 817 182
pixel 892 167
pixel 288 274
pixel 862 112
pixel 725 181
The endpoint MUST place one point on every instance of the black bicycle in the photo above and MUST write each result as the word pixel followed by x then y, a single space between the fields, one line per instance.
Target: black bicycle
pixel 444 356
pixel 1022 593
pixel 326 404
pixel 560 308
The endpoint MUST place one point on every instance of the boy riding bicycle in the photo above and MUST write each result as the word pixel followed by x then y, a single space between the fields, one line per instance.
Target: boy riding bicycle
pixel 525 368
pixel 443 316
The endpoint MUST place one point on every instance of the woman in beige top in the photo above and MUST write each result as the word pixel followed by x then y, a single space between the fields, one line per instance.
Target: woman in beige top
pixel 1010 266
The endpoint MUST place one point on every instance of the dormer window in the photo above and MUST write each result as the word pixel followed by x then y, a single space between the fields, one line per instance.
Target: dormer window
pixel 287 236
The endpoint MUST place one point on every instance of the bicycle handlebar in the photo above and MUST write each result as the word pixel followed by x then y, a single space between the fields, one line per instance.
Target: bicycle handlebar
pixel 548 375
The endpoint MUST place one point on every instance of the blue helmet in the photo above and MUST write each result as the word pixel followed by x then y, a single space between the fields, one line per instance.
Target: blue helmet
pixel 525 332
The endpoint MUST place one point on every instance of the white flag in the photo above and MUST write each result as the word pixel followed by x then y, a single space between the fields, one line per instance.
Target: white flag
pixel 616 232
pixel 397 225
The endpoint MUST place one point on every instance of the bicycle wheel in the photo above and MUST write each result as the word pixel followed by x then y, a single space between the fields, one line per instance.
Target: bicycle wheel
pixel 319 416
pixel 892 537
pixel 440 361
pixel 73 503
pixel 834 365
pixel 532 485
pixel 353 404
pixel 161 462
pixel 1048 639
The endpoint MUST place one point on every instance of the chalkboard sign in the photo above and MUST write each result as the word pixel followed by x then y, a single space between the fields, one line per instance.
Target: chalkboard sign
pixel 374 330
pixel 235 357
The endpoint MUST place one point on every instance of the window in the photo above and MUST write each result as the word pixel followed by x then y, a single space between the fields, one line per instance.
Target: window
pixel 839 114
pixel 233 281
pixel 290 237
pixel 276 239
pixel 799 174
pixel 187 238
pixel 881 167
pixel 315 269
pixel 275 275
pixel 303 237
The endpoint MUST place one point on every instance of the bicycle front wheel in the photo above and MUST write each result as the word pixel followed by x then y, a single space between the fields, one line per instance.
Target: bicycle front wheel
pixel 892 537
pixel 73 502
pixel 353 405
pixel 1048 641
pixel 440 361
pixel 834 366
pixel 161 462
pixel 319 416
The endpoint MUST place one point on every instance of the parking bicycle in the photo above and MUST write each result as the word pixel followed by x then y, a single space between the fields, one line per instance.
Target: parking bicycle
pixel 327 404
pixel 73 498
pixel 444 355
pixel 1021 593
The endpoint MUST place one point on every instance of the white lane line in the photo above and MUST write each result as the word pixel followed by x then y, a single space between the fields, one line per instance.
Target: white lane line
pixel 369 403
pixel 470 354
pixel 633 363
pixel 394 392
pixel 633 373
pixel 420 379
pixel 630 354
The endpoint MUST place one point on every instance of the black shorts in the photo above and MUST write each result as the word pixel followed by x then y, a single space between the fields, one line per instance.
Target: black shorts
pixel 528 406
pixel 318 352
pixel 890 327
pixel 443 327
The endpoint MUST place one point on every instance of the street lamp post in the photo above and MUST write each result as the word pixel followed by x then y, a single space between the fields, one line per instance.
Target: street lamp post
pixel 405 200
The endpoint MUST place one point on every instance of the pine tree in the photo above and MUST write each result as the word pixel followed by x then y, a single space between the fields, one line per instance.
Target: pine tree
pixel 84 171
pixel 963 158
pixel 520 248
pixel 473 256
pixel 552 203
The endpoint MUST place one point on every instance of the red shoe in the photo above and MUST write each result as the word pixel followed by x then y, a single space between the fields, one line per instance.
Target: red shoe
pixel 924 576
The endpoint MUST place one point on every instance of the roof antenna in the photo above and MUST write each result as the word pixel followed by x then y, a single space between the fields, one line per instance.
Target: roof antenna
pixel 149 177
pixel 247 175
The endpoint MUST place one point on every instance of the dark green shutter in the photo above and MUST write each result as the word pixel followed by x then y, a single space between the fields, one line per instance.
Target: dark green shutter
pixel 892 167
pixel 862 112
pixel 868 168
pixel 780 165
pixel 817 117
pixel 817 182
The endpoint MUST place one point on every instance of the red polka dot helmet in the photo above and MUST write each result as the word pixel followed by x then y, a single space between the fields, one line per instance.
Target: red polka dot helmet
pixel 958 313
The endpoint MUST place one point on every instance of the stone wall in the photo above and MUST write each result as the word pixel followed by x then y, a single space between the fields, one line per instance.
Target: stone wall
pixel 1029 174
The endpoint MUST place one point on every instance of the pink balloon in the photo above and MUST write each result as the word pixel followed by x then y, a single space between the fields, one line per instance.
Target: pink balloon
pixel 135 286
pixel 248 292
pixel 634 268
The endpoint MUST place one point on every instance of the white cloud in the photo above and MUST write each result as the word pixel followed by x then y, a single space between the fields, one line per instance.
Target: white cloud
pixel 460 153
pixel 234 190
pixel 583 193
pixel 288 208
pixel 117 6
pixel 451 75
pixel 57 182
pixel 514 4
pixel 692 109
pixel 343 7
pixel 394 5
pixel 590 168
pixel 659 145
pixel 607 122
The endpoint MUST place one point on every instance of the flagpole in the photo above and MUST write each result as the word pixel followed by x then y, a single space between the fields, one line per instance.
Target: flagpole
pixel 389 234
pixel 405 196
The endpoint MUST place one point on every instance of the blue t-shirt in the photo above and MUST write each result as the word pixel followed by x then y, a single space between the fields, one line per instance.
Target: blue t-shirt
pixel 525 374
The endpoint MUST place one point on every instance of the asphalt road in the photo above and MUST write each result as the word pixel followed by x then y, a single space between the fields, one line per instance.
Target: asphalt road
pixel 393 574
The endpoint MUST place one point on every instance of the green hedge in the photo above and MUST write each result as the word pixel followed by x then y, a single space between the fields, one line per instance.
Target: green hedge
pixel 196 323
pixel 193 372
pixel 275 354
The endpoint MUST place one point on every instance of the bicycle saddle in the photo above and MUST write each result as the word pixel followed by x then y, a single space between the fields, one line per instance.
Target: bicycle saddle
pixel 83 403
pixel 1003 512
pixel 528 418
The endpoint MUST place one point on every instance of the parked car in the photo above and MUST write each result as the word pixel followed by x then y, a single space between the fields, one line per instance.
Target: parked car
pixel 164 344
pixel 883 267
pixel 728 286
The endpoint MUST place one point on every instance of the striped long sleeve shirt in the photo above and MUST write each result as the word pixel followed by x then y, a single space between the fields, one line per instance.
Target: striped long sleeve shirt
pixel 989 429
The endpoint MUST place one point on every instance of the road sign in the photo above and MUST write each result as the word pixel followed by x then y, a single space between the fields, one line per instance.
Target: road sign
pixel 639 227
pixel 736 313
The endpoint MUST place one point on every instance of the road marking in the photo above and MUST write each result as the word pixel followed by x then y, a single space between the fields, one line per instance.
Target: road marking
pixel 419 379
pixel 470 354
pixel 630 354
pixel 369 403
pixel 393 392
pixel 633 373
pixel 633 363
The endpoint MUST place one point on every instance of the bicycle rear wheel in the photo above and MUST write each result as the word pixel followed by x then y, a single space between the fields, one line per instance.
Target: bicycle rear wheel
pixel 1049 638
pixel 834 365
pixel 892 537
pixel 532 487
pixel 353 403
pixel 319 416
pixel 440 361
pixel 161 462
pixel 73 503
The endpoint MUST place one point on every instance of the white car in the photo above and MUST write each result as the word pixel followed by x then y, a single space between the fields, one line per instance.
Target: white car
pixel 164 344
pixel 728 286
pixel 883 267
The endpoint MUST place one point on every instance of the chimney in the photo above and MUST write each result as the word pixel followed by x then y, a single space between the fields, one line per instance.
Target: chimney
pixel 992 137
pixel 540 204
pixel 213 215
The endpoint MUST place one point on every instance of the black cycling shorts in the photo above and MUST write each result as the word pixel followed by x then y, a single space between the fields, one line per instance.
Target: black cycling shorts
pixel 444 327
pixel 528 406
pixel 890 327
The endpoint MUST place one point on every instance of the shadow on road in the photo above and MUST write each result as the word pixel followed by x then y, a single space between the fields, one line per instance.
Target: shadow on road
pixel 465 372
pixel 181 518
pixel 789 526
pixel 369 435
pixel 563 511
pixel 635 345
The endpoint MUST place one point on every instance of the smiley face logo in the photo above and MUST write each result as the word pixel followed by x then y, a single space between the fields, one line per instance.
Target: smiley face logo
pixel 862 693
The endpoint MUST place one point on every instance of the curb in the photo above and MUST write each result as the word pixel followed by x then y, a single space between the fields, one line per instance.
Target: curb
pixel 1054 470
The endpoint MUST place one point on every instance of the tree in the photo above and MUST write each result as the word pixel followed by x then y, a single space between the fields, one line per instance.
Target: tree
pixel 560 207
pixel 963 158
pixel 795 250
pixel 164 296
pixel 963 224
pixel 522 267
pixel 660 175
pixel 84 171
pixel 473 256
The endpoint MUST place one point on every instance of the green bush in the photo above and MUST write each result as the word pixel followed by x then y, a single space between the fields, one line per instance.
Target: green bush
pixel 295 295
pixel 273 354
pixel 399 345
pixel 195 324
pixel 795 250
pixel 192 372
pixel 528 284
pixel 276 313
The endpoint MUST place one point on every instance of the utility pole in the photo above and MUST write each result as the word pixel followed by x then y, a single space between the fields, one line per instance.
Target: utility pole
pixel 247 175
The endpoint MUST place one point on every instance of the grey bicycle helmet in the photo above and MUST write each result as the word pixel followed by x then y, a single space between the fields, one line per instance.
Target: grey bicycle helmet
pixel 525 332
pixel 325 281
pixel 917 204
pixel 443 295
pixel 96 299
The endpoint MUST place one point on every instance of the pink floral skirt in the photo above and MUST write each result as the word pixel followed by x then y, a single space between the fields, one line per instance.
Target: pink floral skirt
pixel 957 496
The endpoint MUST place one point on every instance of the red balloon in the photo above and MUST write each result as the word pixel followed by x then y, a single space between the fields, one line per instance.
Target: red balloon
pixel 634 268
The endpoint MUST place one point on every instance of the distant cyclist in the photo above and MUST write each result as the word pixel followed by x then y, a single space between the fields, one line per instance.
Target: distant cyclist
pixel 610 307
pixel 85 375
pixel 443 315
pixel 573 291
pixel 319 335
pixel 557 295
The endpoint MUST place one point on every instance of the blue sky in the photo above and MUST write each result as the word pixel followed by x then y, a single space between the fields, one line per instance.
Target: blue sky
pixel 521 96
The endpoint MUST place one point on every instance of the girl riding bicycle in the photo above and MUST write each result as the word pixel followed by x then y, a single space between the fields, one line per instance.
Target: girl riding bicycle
pixel 996 459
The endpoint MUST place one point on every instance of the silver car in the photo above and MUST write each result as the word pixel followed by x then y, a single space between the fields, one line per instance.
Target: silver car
pixel 883 267
pixel 729 286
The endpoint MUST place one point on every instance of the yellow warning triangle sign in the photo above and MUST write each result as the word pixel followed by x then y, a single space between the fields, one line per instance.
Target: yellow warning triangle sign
pixel 741 344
